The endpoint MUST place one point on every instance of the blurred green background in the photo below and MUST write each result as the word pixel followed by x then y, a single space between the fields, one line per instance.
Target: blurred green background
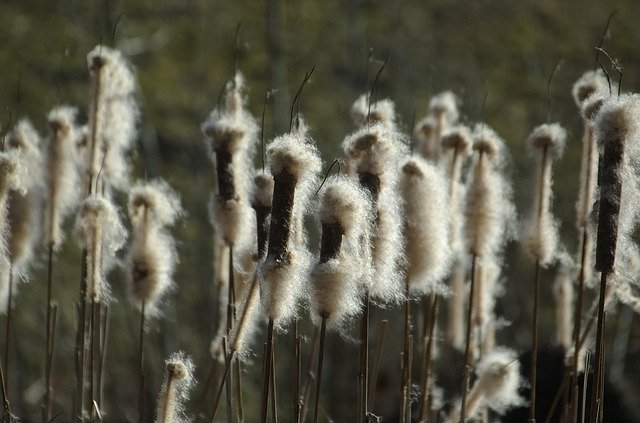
pixel 183 52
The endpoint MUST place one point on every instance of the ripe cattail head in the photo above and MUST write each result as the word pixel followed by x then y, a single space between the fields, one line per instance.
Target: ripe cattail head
pixel 113 115
pixel 382 111
pixel 423 189
pixel 591 82
pixel 444 107
pixel 295 164
pixel 425 132
pixel 489 211
pixel 99 230
pixel 152 257
pixel 541 230
pixel 457 138
pixel 499 380
pixel 24 209
pixel 13 173
pixel 617 129
pixel 344 265
pixel 374 154
pixel 61 173
pixel 178 381
pixel 591 107
pixel 262 197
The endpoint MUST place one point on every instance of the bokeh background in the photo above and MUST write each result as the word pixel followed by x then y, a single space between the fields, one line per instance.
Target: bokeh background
pixel 184 52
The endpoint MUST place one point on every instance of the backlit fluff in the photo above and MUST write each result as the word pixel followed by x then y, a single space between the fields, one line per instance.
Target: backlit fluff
pixel 425 132
pixel 617 127
pixel 427 211
pixel 489 211
pixel 13 178
pixel 62 192
pixel 337 279
pixel 563 296
pixel 99 230
pixel 295 164
pixel 152 256
pixel 541 228
pixel 486 291
pixel 589 83
pixel 375 154
pixel 496 386
pixel 231 135
pixel 113 114
pixel 25 209
pixel 382 111
pixel 178 381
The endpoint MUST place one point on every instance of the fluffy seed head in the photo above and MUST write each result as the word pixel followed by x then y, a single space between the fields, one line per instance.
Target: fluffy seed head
pixel 591 107
pixel 499 380
pixel 549 135
pixel 99 230
pixel 13 172
pixel 156 198
pixel 178 381
pixel 262 189
pixel 423 189
pixel 444 106
pixel 457 138
pixel 382 111
pixel 591 82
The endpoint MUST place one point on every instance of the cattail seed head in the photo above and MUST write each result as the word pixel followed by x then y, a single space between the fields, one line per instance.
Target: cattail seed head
pixel 345 263
pixel 457 138
pixel 13 173
pixel 541 229
pixel 152 256
pixel 99 230
pixel 591 82
pixel 178 381
pixel 444 106
pixel 61 174
pixel 563 295
pixel 382 111
pixel 423 189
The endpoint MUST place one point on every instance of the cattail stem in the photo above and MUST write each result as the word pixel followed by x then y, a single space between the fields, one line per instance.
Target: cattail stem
pixel 80 348
pixel 51 347
pixel 229 395
pixel 213 367
pixel 323 329
pixel 425 408
pixel 141 375
pixel 598 379
pixel 8 325
pixel 104 337
pixel 216 400
pixel 534 342
pixel 6 409
pixel 266 377
pixel 364 360
pixel 240 409
pixel 406 379
pixel 467 348
pixel 48 345
pixel 377 362
pixel 295 404
pixel 274 385
pixel 310 376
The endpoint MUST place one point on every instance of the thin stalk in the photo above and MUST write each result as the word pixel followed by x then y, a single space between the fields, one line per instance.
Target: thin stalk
pixel 364 361
pixel 310 376
pixel 228 392
pixel 6 408
pixel 534 343
pixel 409 367
pixel 48 346
pixel 295 404
pixel 406 374
pixel 377 362
pixel 104 337
pixel 231 315
pixel 323 329
pixel 266 377
pixel 95 324
pixel 53 330
pixel 213 367
pixel 79 401
pixel 216 400
pixel 239 407
pixel 598 391
pixel 141 375
pixel 425 407
pixel 274 390
pixel 8 325
pixel 467 349
pixel 584 387
pixel 577 319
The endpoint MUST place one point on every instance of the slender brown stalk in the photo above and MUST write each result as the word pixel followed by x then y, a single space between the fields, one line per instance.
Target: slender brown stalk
pixel 79 400
pixel 228 364
pixel 48 346
pixel 406 375
pixel 534 343
pixel 377 362
pixel 467 349
pixel 104 337
pixel 141 374
pixel 425 407
pixel 216 400
pixel 364 361
pixel 577 319
pixel 409 366
pixel 310 375
pixel 6 409
pixel 598 379
pixel 323 329
pixel 295 403
pixel 53 330
pixel 8 325
pixel 274 390
pixel 266 377
pixel 239 407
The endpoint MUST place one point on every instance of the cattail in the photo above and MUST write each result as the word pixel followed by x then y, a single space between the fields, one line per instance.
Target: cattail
pixel 427 211
pixel 496 386
pixel 99 230
pixel 61 175
pixel 178 381
pixel 24 209
pixel 443 112
pixel 295 163
pixel 617 127
pixel 375 153
pixel 563 295
pixel 591 82
pixel 231 138
pixel 113 114
pixel 483 316
pixel 489 212
pixel 344 265
pixel 261 202
pixel 13 175
pixel 541 230
pixel 152 257
pixel 382 111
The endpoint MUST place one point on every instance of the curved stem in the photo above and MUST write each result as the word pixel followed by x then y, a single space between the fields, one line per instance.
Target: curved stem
pixel 323 329
pixel 467 349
